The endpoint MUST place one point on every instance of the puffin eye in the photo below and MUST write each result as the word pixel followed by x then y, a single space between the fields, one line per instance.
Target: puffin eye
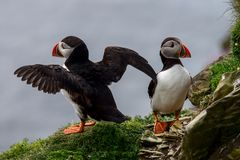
pixel 65 46
pixel 169 44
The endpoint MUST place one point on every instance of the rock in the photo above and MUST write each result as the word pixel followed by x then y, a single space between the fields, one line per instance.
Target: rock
pixel 149 154
pixel 200 91
pixel 206 101
pixel 185 119
pixel 200 87
pixel 168 136
pixel 155 157
pixel 236 84
pixel 150 151
pixel 178 149
pixel 229 150
pixel 214 126
pixel 150 141
pixel 227 84
pixel 163 146
pixel 170 152
pixel 166 145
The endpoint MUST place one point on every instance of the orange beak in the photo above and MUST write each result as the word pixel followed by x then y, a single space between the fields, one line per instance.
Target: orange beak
pixel 185 53
pixel 55 51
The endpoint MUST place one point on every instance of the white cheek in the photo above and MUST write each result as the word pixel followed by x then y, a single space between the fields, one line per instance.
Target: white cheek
pixel 65 52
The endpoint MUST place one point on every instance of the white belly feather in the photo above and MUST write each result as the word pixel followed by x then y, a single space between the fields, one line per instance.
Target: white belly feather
pixel 77 107
pixel 171 90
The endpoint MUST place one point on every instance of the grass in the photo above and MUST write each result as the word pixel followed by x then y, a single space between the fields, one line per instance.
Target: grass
pixel 166 117
pixel 230 63
pixel 236 6
pixel 105 140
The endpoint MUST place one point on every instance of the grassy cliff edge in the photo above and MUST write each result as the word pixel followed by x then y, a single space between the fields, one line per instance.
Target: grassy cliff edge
pixel 103 141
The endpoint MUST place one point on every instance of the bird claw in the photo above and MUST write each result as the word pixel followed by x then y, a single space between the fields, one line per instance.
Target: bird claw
pixel 78 128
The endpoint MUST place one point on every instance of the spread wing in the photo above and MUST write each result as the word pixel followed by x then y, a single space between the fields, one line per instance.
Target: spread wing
pixel 116 59
pixel 53 78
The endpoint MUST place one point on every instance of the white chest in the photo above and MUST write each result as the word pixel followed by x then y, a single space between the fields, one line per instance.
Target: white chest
pixel 77 107
pixel 171 90
pixel 64 66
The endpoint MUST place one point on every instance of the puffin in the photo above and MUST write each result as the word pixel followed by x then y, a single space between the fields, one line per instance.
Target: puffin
pixel 83 82
pixel 169 89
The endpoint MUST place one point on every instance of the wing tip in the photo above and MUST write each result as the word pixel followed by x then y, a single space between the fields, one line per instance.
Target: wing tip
pixel 16 72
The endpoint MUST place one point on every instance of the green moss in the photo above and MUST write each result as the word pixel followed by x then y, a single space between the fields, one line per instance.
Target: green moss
pixel 103 141
pixel 23 149
pixel 229 64
pixel 235 154
pixel 166 117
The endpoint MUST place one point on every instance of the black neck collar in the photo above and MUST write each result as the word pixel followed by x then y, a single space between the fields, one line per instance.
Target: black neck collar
pixel 78 56
pixel 168 62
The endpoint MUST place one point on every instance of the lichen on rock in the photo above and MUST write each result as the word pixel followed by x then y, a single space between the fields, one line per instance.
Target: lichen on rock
pixel 200 87
pixel 213 127
pixel 227 84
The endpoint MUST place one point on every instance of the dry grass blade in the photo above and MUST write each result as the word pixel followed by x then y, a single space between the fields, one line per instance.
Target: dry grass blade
pixel 236 6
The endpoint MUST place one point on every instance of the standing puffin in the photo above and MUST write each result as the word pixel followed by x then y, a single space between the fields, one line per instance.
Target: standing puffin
pixel 169 89
pixel 83 82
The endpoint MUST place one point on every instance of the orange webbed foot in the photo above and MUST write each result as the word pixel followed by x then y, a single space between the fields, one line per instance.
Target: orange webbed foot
pixel 160 127
pixel 78 128
pixel 73 129
pixel 177 123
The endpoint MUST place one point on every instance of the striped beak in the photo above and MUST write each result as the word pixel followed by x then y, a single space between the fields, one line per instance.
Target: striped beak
pixel 185 53
pixel 55 51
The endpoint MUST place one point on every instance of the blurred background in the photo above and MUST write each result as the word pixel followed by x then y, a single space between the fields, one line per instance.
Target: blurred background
pixel 29 29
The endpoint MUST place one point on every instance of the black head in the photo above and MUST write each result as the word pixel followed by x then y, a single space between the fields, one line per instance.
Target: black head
pixel 173 48
pixel 72 41
pixel 71 46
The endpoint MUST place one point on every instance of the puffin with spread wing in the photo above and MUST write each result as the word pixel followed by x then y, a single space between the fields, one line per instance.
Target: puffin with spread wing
pixel 169 89
pixel 83 82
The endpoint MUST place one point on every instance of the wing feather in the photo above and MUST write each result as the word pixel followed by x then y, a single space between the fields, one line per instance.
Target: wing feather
pixel 151 87
pixel 53 78
pixel 36 83
pixel 116 60
pixel 41 84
